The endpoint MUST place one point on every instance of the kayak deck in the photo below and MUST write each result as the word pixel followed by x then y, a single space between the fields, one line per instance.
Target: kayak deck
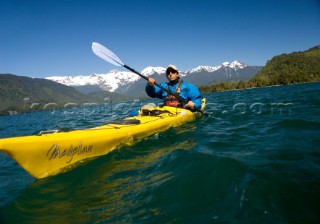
pixel 48 154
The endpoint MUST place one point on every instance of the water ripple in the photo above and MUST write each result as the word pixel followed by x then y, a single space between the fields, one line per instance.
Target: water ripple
pixel 255 158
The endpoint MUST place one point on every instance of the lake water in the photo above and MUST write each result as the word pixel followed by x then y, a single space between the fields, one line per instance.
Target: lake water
pixel 254 159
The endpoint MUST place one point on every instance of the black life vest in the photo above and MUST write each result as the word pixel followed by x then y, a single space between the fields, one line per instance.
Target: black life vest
pixel 171 100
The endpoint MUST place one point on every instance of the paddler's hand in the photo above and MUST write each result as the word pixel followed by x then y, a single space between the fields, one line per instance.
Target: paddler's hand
pixel 190 104
pixel 151 81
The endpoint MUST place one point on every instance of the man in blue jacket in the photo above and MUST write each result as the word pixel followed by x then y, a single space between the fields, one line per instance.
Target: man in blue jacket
pixel 186 91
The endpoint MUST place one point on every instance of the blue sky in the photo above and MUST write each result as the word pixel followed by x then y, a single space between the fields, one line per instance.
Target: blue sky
pixel 40 38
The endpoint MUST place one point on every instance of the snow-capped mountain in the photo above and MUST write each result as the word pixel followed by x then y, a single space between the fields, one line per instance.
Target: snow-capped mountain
pixel 153 70
pixel 126 82
pixel 235 65
pixel 204 69
pixel 108 82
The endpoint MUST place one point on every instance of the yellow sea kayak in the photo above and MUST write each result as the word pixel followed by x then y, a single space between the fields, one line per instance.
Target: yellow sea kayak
pixel 49 154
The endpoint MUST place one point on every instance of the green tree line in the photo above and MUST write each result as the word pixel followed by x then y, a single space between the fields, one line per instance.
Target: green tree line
pixel 284 69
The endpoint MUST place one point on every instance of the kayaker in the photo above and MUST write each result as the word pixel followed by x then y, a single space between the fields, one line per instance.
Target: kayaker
pixel 185 90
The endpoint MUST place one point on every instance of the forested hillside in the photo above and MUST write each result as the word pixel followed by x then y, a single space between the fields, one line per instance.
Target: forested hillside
pixel 296 67
pixel 22 94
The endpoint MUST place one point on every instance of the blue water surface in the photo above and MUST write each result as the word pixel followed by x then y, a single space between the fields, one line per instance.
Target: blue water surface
pixel 254 159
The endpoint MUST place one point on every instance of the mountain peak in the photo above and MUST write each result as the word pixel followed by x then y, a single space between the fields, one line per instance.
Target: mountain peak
pixel 202 68
pixel 234 65
pixel 153 70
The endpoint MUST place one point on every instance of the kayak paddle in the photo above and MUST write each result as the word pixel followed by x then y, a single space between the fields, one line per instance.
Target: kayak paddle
pixel 108 56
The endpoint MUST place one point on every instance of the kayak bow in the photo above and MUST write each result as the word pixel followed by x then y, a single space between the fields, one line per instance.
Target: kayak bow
pixel 49 154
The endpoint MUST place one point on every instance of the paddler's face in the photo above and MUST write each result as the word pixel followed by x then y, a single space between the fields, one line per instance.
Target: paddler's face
pixel 172 75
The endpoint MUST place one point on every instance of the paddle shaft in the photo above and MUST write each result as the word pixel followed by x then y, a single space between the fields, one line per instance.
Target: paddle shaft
pixel 108 56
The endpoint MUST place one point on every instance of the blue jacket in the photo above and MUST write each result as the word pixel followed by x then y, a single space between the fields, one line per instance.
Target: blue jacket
pixel 187 92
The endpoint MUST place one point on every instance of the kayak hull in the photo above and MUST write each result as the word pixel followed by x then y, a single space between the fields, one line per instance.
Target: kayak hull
pixel 53 153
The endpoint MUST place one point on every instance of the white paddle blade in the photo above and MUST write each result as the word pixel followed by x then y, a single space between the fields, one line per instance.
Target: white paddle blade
pixel 105 54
